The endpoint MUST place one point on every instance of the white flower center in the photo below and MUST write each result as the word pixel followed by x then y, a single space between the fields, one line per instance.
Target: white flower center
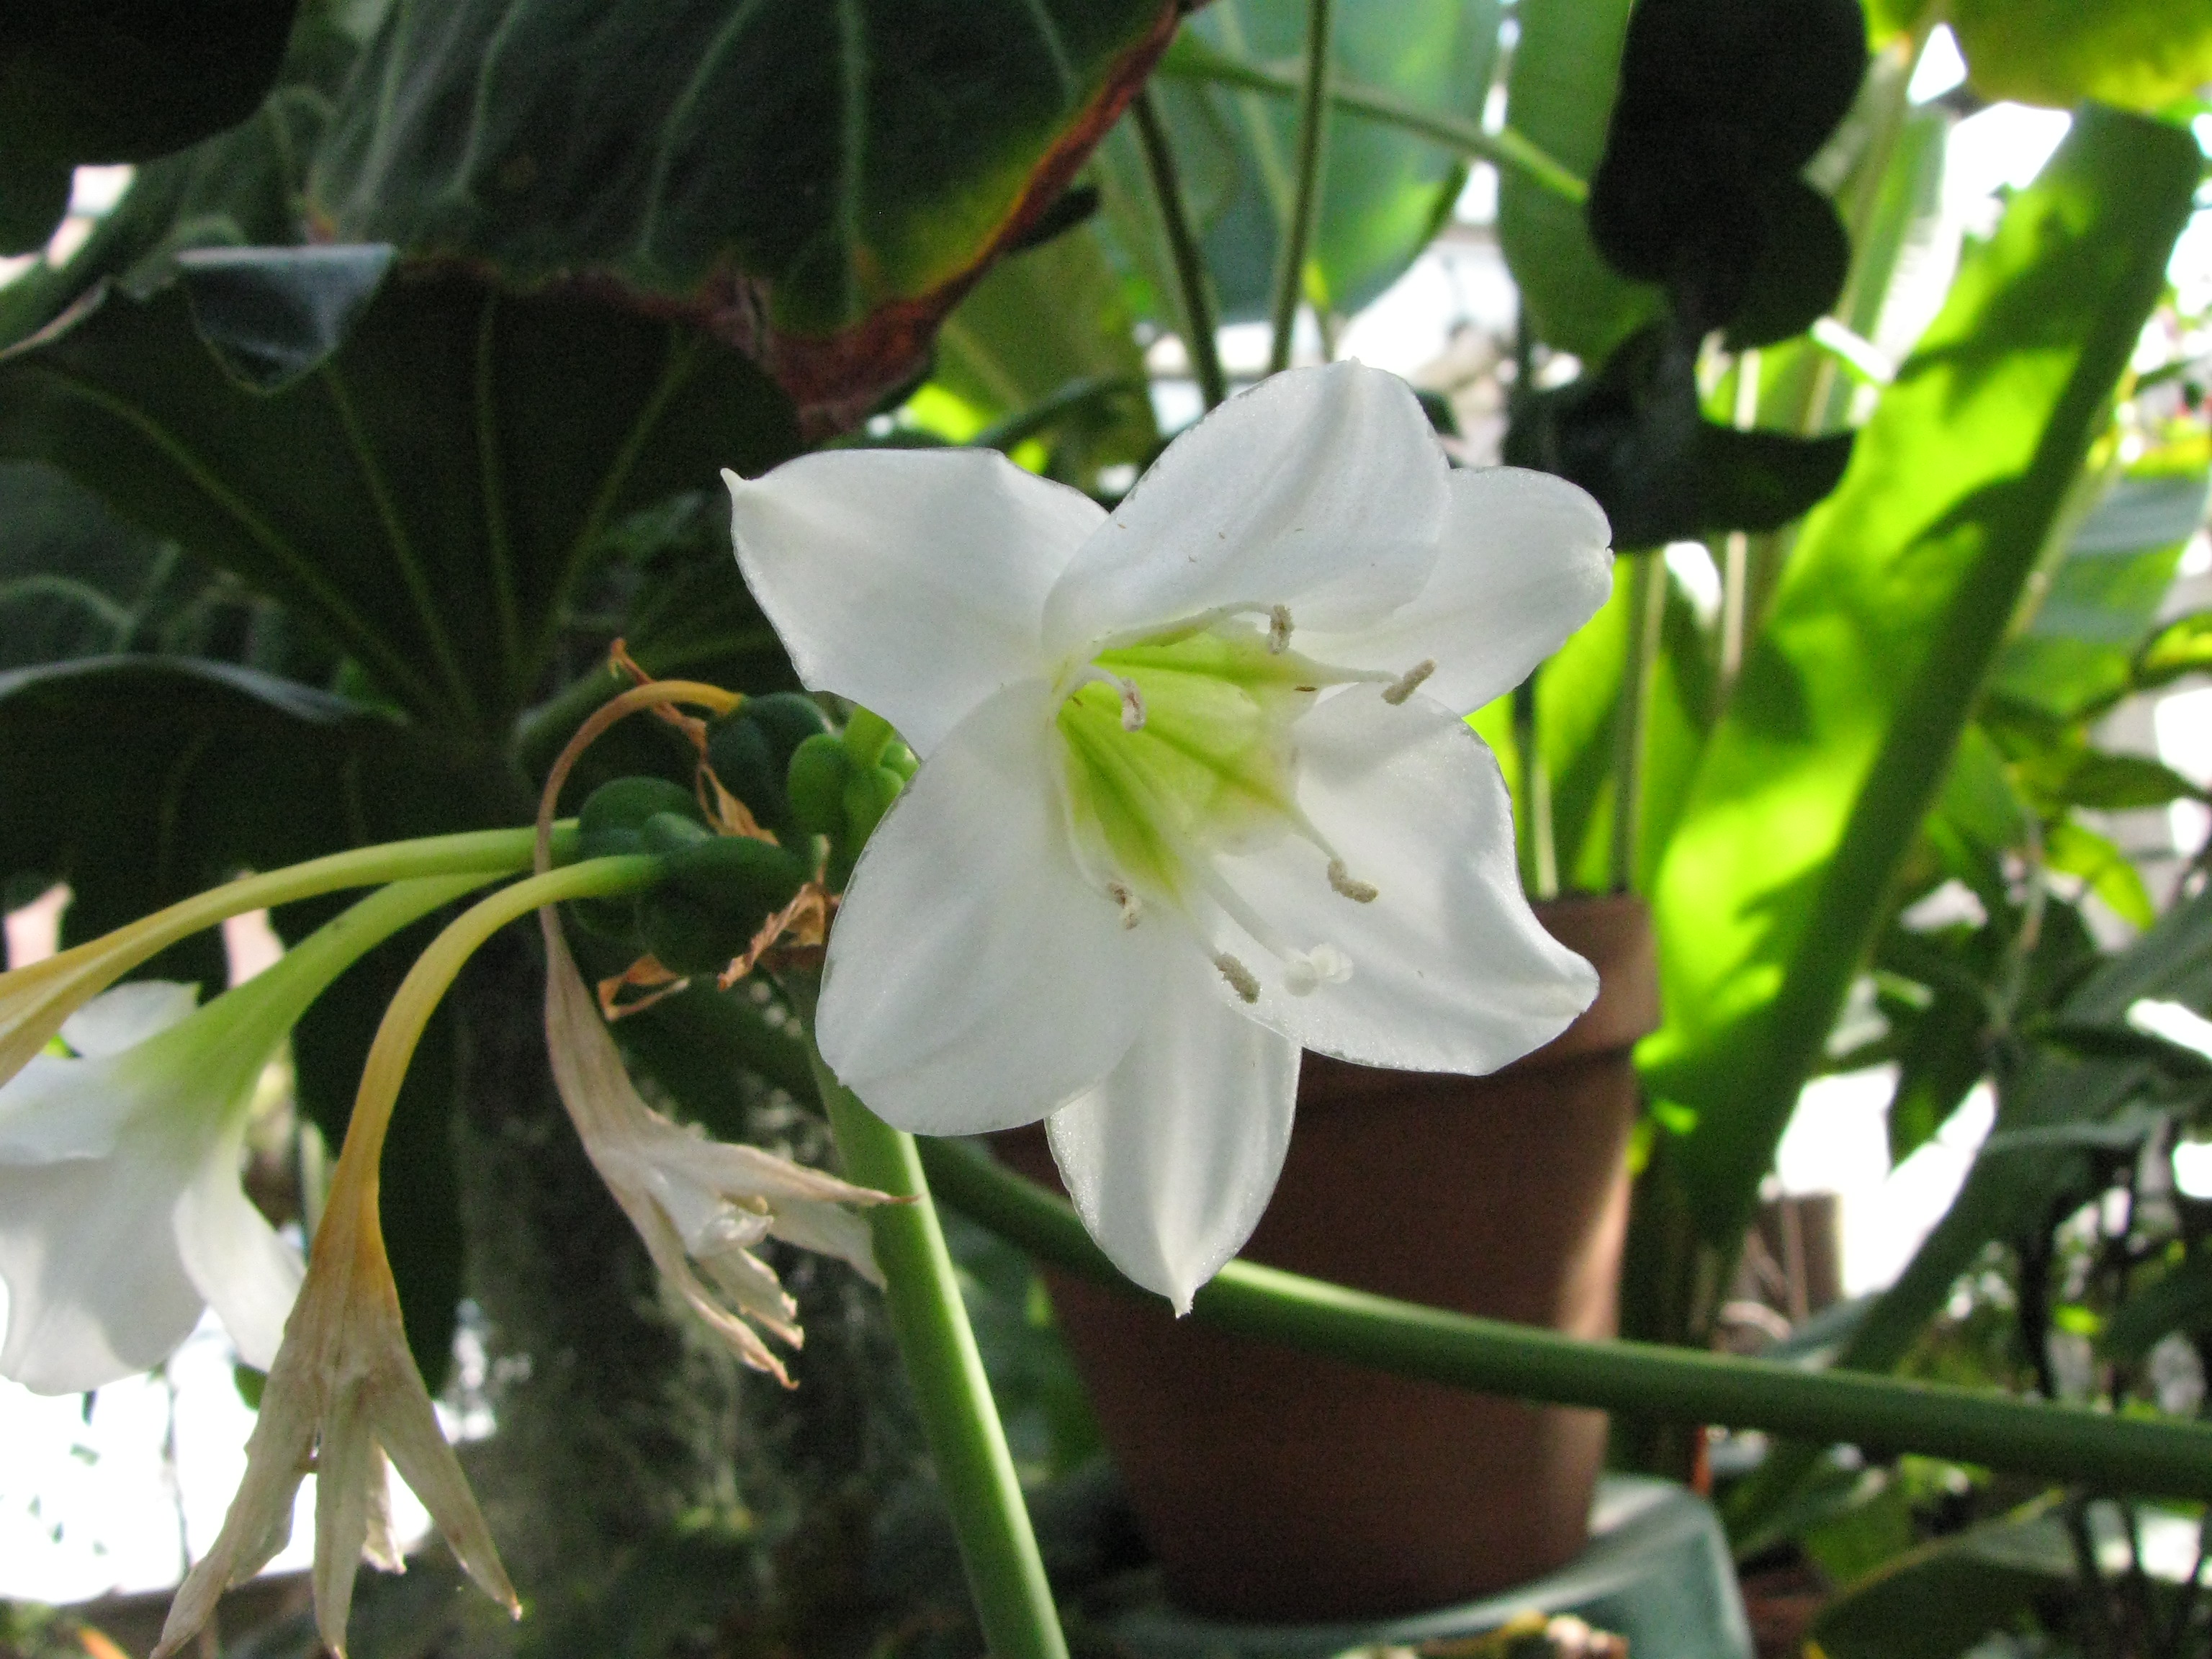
pixel 1181 746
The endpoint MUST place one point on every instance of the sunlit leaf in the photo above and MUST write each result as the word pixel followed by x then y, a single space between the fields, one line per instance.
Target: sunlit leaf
pixel 2135 54
pixel 1890 612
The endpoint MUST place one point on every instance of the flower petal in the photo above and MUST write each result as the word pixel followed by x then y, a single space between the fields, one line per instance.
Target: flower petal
pixel 249 1275
pixel 127 1015
pixel 1323 489
pixel 1450 969
pixel 406 1426
pixel 1524 561
pixel 909 581
pixel 1171 1158
pixel 975 979
pixel 830 1229
pixel 60 1107
pixel 96 1289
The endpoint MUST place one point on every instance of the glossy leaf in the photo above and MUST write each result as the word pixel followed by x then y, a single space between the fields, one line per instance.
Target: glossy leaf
pixel 1384 189
pixel 816 185
pixel 426 496
pixel 1891 610
pixel 2135 54
pixel 1559 93
pixel 2183 646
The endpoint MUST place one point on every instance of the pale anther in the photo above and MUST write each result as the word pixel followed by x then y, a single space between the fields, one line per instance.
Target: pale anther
pixel 1241 980
pixel 1409 682
pixel 1279 630
pixel 1133 909
pixel 1306 971
pixel 1132 707
pixel 1359 892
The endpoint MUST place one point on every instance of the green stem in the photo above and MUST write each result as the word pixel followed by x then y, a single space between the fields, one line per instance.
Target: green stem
pixel 1006 1573
pixel 2058 1442
pixel 1189 58
pixel 1305 206
pixel 1647 607
pixel 1198 325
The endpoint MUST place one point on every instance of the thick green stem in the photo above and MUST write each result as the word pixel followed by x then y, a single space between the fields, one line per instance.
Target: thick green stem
pixel 1647 607
pixel 1198 327
pixel 1006 1573
pixel 2029 1436
pixel 1305 206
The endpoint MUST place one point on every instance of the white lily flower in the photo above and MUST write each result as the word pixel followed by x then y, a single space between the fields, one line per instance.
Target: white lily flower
pixel 694 1200
pixel 121 1214
pixel 1198 793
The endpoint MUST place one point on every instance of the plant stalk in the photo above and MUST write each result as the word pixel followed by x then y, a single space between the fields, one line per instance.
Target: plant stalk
pixel 1631 715
pixel 2059 1442
pixel 1199 339
pixel 1006 1573
pixel 1305 206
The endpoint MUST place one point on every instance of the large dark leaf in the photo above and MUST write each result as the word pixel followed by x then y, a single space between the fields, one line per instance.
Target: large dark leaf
pixel 119 81
pixel 426 495
pixel 141 779
pixel 817 183
pixel 1891 611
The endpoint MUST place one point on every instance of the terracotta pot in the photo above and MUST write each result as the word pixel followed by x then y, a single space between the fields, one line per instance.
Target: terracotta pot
pixel 1277 1485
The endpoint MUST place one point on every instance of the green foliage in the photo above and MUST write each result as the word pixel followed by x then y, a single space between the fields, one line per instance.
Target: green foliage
pixel 818 184
pixel 1560 94
pixel 427 494
pixel 2134 54
pixel 120 82
pixel 1384 189
pixel 1892 607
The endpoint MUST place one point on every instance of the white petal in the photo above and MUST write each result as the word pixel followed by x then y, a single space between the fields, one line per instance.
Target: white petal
pixel 910 580
pixel 117 1019
pixel 1450 969
pixel 58 1107
pixel 248 1275
pixel 830 1229
pixel 976 980
pixel 1322 490
pixel 1171 1158
pixel 1524 561
pixel 95 1289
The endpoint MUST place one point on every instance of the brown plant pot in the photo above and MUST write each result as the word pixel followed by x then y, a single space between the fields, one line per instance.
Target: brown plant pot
pixel 1280 1485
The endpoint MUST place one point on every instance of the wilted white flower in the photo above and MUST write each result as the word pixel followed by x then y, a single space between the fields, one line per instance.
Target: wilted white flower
pixel 1197 792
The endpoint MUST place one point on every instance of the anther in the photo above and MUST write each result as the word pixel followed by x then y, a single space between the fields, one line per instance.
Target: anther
pixel 1409 682
pixel 1132 707
pixel 1359 892
pixel 1306 971
pixel 1279 630
pixel 1241 980
pixel 1133 909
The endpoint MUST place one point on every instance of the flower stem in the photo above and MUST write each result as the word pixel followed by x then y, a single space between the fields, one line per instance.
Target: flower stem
pixel 1006 1573
pixel 1305 206
pixel 2028 1436
pixel 1199 328
pixel 1631 717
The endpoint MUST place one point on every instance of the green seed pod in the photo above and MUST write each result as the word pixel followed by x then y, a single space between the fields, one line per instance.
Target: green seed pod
pixel 815 783
pixel 750 752
pixel 712 899
pixel 868 796
pixel 613 819
pixel 673 832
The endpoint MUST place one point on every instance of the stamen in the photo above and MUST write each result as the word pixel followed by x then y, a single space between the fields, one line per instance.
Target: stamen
pixel 1279 630
pixel 1133 909
pixel 1241 980
pixel 1407 683
pixel 1359 892
pixel 1132 700
pixel 1306 971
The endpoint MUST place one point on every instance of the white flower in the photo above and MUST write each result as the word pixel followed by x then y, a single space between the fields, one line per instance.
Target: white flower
pixel 693 1199
pixel 121 1214
pixel 1197 793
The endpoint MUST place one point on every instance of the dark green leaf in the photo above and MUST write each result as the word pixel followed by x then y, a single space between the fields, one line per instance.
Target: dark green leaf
pixel 817 185
pixel 141 779
pixel 429 494
pixel 123 81
pixel 1803 258
pixel 1891 610
pixel 2181 1301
